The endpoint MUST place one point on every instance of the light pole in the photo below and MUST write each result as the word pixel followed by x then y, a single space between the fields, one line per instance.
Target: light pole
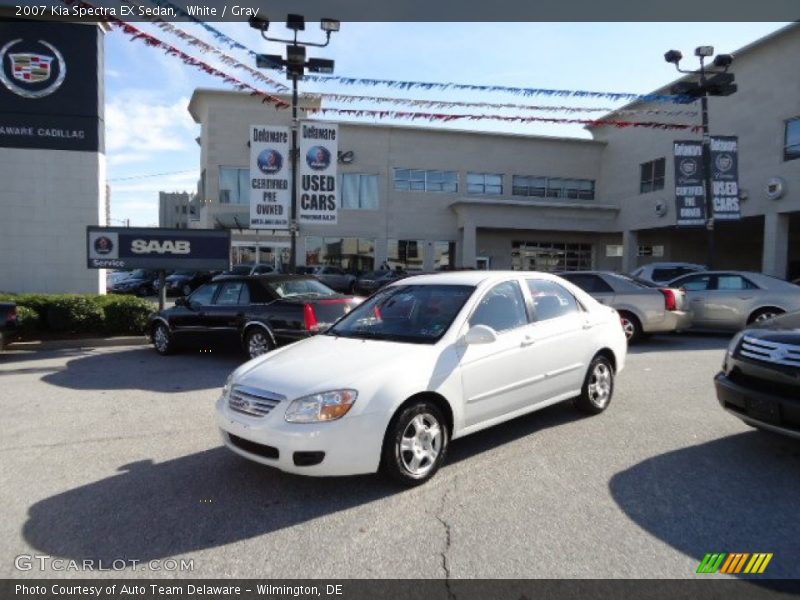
pixel 295 64
pixel 720 84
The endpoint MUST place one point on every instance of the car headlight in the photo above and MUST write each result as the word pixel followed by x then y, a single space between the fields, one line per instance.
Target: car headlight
pixel 226 389
pixel 325 406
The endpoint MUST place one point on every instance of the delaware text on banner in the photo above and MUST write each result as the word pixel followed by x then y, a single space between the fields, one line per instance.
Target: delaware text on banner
pixel 319 188
pixel 725 177
pixel 270 180
pixel 689 194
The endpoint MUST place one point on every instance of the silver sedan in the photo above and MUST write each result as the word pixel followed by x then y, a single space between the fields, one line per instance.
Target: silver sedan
pixel 643 308
pixel 730 300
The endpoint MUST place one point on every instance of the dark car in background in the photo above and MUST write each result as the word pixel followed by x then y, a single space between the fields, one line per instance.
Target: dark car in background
pixel 183 283
pixel 760 378
pixel 8 322
pixel 335 278
pixel 139 282
pixel 371 281
pixel 257 313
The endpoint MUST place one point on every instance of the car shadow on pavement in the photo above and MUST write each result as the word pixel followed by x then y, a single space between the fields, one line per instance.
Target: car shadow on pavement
pixel 213 498
pixel 141 368
pixel 681 342
pixel 735 494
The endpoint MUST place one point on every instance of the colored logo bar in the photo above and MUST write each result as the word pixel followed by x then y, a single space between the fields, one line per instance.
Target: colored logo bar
pixel 732 563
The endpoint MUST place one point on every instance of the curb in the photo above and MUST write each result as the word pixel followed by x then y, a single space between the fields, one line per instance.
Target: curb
pixel 112 342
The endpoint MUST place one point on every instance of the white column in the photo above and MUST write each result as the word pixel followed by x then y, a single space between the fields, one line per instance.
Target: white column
pixel 775 257
pixel 468 245
pixel 630 251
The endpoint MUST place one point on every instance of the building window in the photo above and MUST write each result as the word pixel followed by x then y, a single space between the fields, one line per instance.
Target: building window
pixel 490 184
pixel 234 185
pixel 406 254
pixel 417 180
pixel 552 187
pixel 355 255
pixel 791 148
pixel 655 251
pixel 359 191
pixel 444 256
pixel 550 256
pixel 652 175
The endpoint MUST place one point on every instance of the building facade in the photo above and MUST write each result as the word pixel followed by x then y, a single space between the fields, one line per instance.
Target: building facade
pixel 427 199
pixel 176 210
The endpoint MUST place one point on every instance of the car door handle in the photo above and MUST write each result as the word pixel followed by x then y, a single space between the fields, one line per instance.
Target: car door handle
pixel 745 297
pixel 527 341
pixel 697 299
pixel 588 325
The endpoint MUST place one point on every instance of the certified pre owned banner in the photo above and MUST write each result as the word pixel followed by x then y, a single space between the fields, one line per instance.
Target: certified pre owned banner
pixel 725 178
pixel 689 194
pixel 318 202
pixel 270 177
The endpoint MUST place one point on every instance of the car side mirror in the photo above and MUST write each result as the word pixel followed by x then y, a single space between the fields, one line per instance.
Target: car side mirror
pixel 181 301
pixel 480 334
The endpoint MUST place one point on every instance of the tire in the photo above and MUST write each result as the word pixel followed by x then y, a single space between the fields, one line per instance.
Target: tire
pixel 163 341
pixel 351 290
pixel 631 326
pixel 598 387
pixel 257 342
pixel 762 314
pixel 186 289
pixel 416 444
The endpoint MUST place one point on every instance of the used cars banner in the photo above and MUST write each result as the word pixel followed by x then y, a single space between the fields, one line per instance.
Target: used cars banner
pixel 318 203
pixel 689 193
pixel 270 177
pixel 725 178
pixel 156 248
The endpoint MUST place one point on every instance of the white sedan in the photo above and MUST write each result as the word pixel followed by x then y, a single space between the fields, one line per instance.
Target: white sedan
pixel 424 361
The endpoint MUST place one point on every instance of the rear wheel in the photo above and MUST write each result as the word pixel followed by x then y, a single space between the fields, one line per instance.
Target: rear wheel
pixel 416 444
pixel 763 314
pixel 162 340
pixel 598 387
pixel 257 342
pixel 631 326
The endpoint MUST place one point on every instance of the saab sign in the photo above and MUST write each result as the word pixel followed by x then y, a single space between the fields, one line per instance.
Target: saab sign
pixel 156 248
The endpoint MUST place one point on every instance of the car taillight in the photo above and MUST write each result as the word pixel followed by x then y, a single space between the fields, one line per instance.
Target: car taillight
pixel 670 302
pixel 310 317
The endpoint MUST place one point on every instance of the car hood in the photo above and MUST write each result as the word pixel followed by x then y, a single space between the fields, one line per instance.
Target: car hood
pixel 784 329
pixel 323 362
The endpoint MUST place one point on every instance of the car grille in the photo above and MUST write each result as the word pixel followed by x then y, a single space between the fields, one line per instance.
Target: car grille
pixel 252 401
pixel 771 352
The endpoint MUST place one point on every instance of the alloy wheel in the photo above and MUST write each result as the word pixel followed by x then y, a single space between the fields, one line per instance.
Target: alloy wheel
pixel 600 385
pixel 420 444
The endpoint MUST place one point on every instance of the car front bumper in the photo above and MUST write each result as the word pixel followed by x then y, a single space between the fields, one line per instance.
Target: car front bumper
pixel 759 408
pixel 349 446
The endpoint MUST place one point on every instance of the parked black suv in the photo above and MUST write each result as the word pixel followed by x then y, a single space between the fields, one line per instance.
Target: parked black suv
pixel 760 378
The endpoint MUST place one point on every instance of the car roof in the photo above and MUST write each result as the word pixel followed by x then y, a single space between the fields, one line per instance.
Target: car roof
pixel 473 278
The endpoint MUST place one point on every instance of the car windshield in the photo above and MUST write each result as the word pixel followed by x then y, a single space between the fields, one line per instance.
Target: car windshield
pixel 419 314
pixel 642 283
pixel 137 274
pixel 289 288
pixel 240 270
pixel 184 273
pixel 373 274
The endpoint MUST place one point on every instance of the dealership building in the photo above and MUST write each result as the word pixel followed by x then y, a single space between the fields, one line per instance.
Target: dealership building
pixel 428 199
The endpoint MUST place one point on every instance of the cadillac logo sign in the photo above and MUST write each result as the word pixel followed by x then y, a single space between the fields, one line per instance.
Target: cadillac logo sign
pixel 28 70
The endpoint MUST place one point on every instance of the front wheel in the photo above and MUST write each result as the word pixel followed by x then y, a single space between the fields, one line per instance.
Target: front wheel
pixel 416 444
pixel 162 340
pixel 257 342
pixel 598 387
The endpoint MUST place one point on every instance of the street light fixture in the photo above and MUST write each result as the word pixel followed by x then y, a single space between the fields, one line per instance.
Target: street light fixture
pixel 295 64
pixel 719 84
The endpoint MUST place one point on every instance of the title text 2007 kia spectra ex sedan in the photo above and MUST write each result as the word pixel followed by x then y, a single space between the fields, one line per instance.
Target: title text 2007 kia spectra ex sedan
pixel 425 360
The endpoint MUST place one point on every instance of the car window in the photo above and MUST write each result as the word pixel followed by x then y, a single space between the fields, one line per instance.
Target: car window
pixel 300 287
pixel 696 283
pixel 230 292
pixel 204 294
pixel 263 269
pixel 734 282
pixel 589 283
pixel 501 308
pixel 551 300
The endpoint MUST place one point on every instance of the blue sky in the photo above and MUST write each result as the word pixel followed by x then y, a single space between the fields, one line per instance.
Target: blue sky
pixel 149 130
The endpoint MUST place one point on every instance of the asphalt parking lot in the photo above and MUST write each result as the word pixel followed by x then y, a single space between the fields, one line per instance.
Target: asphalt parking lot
pixel 112 453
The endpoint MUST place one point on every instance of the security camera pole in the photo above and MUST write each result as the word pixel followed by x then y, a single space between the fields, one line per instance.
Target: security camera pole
pixel 295 64
pixel 721 84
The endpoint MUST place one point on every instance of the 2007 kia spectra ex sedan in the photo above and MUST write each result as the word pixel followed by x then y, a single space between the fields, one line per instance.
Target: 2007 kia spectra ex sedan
pixel 425 360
